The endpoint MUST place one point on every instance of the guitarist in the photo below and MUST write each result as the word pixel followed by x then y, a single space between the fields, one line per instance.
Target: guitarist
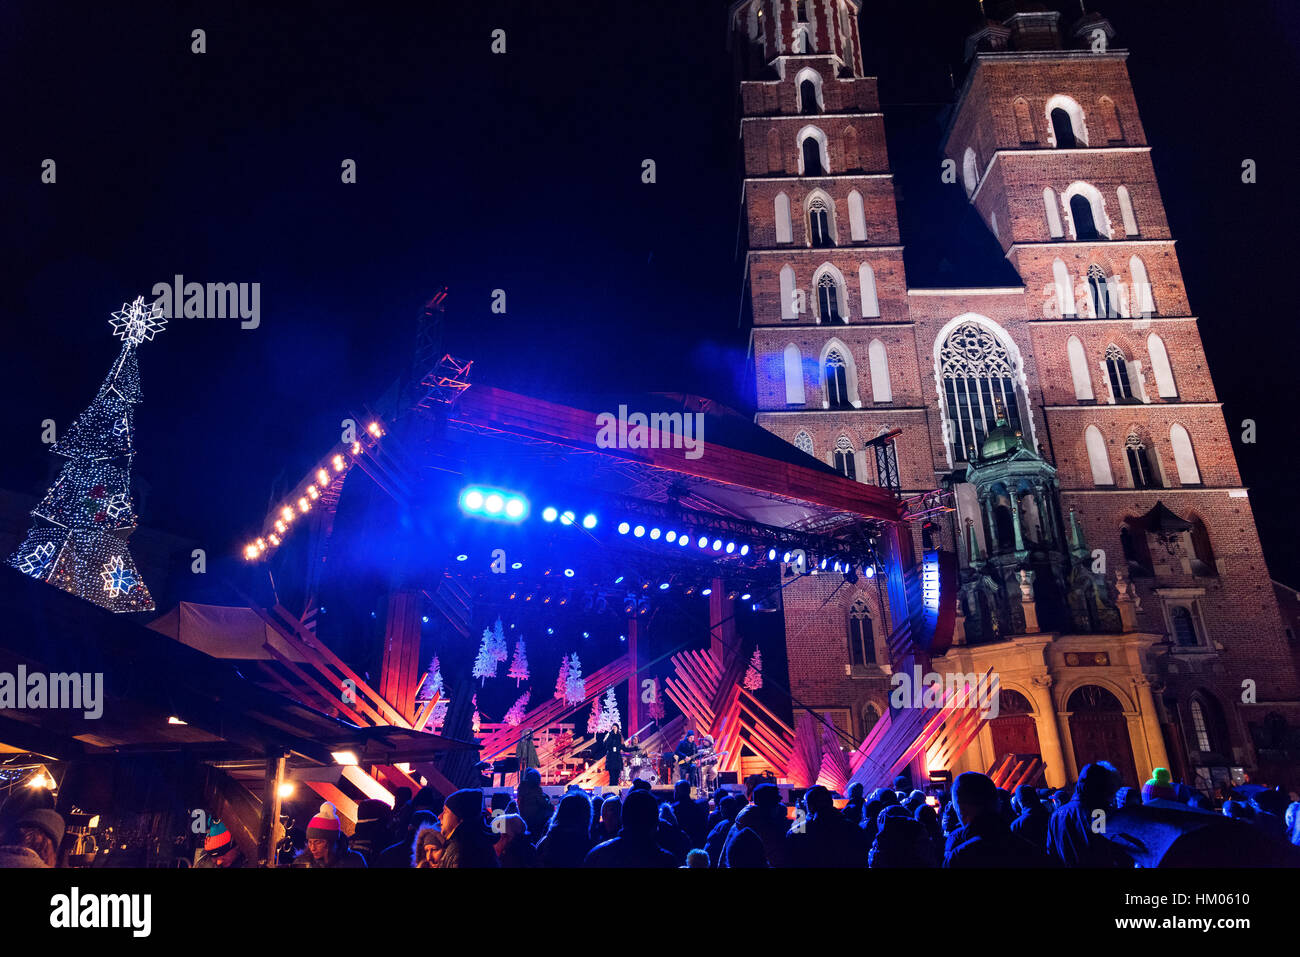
pixel 685 758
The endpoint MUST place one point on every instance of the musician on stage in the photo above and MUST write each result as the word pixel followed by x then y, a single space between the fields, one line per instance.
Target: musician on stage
pixel 685 753
pixel 614 748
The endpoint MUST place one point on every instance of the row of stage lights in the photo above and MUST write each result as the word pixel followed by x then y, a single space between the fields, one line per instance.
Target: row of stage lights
pixel 496 504
pixel 326 473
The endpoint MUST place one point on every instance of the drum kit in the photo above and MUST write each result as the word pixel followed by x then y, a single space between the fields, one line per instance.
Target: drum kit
pixel 641 768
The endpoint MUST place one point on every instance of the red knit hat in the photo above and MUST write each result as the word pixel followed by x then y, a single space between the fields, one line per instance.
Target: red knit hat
pixel 325 825
pixel 219 839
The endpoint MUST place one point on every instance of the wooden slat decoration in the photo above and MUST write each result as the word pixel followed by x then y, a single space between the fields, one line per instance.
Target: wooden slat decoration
pixel 335 701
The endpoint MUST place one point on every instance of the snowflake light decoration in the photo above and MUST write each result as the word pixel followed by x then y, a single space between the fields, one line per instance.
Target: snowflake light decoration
pixel 117 579
pixel 117 506
pixel 37 562
pixel 135 322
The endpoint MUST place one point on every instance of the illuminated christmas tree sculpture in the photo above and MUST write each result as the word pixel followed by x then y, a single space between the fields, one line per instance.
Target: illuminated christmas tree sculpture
pixel 78 541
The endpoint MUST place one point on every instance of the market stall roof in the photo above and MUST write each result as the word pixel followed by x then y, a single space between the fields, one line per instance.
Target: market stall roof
pixel 149 678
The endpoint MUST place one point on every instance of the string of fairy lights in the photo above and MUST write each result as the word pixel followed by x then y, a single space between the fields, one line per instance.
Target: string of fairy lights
pixel 326 475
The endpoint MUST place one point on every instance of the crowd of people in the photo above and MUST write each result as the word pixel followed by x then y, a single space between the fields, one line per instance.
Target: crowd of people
pixel 978 825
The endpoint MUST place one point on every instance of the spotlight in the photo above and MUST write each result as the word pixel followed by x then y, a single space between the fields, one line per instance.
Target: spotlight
pixel 870 570
pixel 622 637
pixel 618 580
pixel 589 521
pixel 786 558
pixel 493 504
pixel 517 565
pixel 568 573
pixel 670 536
pixel 424 618
pixel 683 540
pixel 744 549
pixel 746 597
pixel 707 592
pixel 663 586
pixel 731 547
pixel 639 531
pixel 568 518
pixel 654 534
pixel 703 542
pixel 515 508
pixel 624 528
pixel 462 557
pixel 717 544
pixel 771 554
pixel 823 564
pixel 550 631
pixel 586 634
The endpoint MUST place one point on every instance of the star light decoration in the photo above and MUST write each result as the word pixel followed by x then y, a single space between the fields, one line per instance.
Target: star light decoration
pixel 117 579
pixel 37 562
pixel 135 322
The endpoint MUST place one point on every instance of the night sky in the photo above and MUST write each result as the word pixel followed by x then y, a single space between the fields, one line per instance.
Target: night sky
pixel 522 172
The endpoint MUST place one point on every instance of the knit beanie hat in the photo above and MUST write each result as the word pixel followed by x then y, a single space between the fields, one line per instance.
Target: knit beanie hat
pixel 325 825
pixel 1160 786
pixel 219 839
pixel 44 819
pixel 372 811
pixel 466 804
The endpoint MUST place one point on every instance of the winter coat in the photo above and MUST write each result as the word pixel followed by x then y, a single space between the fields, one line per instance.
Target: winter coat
pixel 15 855
pixel 564 847
pixel 470 845
pixel 990 843
pixel 1032 824
pixel 623 851
pixel 519 853
pixel 343 859
pixel 693 818
pixel 744 848
pixel 1072 841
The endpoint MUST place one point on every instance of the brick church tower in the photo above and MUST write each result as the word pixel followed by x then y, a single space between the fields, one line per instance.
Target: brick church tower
pixel 1111 571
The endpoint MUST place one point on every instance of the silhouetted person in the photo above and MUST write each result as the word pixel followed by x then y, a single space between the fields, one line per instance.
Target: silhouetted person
pixel 568 836
pixel 988 841
pixel 1073 835
pixel 636 844
pixel 1031 825
pixel 692 816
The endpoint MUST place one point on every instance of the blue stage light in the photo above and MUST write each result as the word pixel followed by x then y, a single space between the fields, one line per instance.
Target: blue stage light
pixel 517 565
pixel 624 528
pixel 622 637
pixel 568 573
pixel 589 521
pixel 683 540
pixel 480 501
pixel 717 544
pixel 771 554
pixel 670 536
pixel 731 547
pixel 618 580
pixel 744 549
pixel 586 634
pixel 786 558
pixel 870 570
pixel 462 557
pixel 550 631
pixel 663 586
pixel 549 514
pixel 639 531
pixel 654 534
pixel 746 597
pixel 707 592
pixel 424 618
pixel 568 518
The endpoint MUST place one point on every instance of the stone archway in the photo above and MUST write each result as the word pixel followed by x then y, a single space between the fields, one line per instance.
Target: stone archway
pixel 1014 730
pixel 1099 731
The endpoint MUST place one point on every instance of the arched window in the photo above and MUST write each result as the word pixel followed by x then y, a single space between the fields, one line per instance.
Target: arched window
pixel 1117 374
pixel 867 288
pixel 820 231
pixel 862 642
pixel 809 84
pixel 1063 129
pixel 976 371
pixel 1079 368
pixel 970 171
pixel 1064 290
pixel 784 229
pixel 794 394
pixel 1103 305
pixel 870 715
pixel 807 97
pixel 1202 557
pixel 857 218
pixel 829 294
pixel 1183 626
pixel 1110 124
pixel 1184 457
pixel 802 40
pixel 1160 368
pixel 837 381
pixel 1126 211
pixel 1085 227
pixel 1098 458
pixel 813 152
pixel 881 390
pixel 1143 304
pixel 804 443
pixel 1133 545
pixel 1068 128
pixel 1024 121
pixel 789 297
pixel 1054 228
pixel 1138 463
pixel 844 458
